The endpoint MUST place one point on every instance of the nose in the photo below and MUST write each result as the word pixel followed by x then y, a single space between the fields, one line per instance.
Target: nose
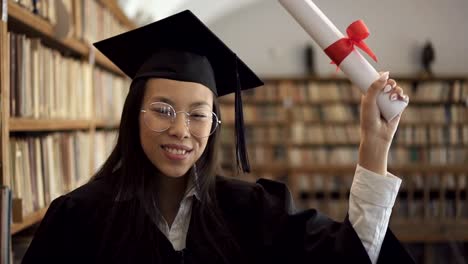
pixel 179 127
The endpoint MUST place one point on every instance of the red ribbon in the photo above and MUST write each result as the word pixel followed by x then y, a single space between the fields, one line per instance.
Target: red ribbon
pixel 339 50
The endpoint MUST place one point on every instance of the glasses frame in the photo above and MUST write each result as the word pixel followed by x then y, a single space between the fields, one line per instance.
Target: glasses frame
pixel 187 120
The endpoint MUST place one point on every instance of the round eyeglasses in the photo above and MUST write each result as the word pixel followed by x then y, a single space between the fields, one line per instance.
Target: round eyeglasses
pixel 159 117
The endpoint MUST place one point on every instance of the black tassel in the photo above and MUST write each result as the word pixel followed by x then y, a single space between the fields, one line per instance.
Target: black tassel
pixel 241 151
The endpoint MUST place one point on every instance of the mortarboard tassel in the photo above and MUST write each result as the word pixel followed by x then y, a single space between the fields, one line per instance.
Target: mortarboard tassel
pixel 241 152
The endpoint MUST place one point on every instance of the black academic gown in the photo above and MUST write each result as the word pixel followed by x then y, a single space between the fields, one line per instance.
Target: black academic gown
pixel 86 226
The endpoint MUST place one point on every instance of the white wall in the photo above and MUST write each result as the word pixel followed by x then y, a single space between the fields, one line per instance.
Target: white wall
pixel 271 42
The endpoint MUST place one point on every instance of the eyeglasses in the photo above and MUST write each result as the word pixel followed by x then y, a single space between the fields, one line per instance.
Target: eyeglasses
pixel 159 117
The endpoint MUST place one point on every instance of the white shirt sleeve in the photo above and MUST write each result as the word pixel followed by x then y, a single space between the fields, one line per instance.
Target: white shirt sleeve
pixel 371 200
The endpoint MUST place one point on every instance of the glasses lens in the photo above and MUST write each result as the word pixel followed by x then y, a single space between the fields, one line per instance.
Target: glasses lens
pixel 159 116
pixel 202 122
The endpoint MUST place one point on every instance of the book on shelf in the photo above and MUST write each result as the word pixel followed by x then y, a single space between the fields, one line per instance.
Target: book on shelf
pixel 5 223
pixel 46 166
pixel 431 197
pixel 83 20
pixel 45 84
pixel 110 92
pixel 104 142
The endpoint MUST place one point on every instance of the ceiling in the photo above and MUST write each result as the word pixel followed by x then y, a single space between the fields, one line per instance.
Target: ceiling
pixel 146 11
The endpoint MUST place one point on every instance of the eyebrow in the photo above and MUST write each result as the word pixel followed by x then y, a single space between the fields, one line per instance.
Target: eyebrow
pixel 169 101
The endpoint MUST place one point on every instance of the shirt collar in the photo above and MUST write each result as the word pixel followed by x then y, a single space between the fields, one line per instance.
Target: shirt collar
pixel 192 188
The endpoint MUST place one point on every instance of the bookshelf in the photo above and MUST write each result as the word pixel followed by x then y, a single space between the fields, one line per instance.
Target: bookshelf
pixel 29 220
pixel 45 123
pixel 24 20
pixel 305 131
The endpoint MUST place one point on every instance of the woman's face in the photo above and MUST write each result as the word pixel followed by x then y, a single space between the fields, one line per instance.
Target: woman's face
pixel 175 150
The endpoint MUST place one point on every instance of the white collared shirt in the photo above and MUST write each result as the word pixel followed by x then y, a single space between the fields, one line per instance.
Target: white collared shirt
pixel 177 233
pixel 372 197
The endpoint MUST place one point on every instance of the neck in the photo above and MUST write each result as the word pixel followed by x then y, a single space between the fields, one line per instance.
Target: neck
pixel 170 193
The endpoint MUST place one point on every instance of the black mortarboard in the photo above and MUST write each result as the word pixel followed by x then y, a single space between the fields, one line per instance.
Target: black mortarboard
pixel 181 47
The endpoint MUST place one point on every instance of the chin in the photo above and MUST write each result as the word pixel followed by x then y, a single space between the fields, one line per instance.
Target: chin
pixel 173 172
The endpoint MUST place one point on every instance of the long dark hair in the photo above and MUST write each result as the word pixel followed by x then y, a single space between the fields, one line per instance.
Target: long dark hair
pixel 132 174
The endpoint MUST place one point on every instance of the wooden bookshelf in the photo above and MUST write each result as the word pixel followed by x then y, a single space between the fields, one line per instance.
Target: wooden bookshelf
pixel 23 21
pixel 341 78
pixel 251 101
pixel 30 23
pixel 309 145
pixel 118 13
pixel 23 124
pixel 326 186
pixel 331 169
pixel 433 231
pixel 28 221
pixel 102 124
pixel 279 123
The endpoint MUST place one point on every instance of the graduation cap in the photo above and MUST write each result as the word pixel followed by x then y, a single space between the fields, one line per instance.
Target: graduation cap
pixel 181 47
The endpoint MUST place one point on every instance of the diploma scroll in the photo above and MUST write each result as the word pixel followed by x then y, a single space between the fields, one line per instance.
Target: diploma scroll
pixel 354 65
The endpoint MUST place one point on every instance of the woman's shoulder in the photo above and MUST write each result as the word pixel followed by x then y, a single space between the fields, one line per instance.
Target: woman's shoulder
pixel 237 185
pixel 94 194
pixel 262 192
pixel 92 191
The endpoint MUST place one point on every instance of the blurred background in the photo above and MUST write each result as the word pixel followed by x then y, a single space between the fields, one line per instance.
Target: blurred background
pixel 62 100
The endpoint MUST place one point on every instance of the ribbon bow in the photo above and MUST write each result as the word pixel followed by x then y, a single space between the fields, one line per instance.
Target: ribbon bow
pixel 339 50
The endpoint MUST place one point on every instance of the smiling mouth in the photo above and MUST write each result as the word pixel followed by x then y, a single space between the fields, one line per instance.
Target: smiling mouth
pixel 175 150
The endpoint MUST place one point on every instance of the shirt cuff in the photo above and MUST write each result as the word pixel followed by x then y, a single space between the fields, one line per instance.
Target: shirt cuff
pixel 375 188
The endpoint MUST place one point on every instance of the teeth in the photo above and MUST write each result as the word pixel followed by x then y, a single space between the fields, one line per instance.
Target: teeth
pixel 175 151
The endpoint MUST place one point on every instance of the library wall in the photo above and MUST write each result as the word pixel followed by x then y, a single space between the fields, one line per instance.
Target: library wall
pixel 272 43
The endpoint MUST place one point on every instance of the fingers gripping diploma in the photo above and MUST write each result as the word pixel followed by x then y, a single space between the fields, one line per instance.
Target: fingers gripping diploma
pixel 376 132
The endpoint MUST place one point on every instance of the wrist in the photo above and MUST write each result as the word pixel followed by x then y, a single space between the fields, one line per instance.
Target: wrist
pixel 373 156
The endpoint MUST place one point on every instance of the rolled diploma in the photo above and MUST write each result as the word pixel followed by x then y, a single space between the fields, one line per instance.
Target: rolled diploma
pixel 355 66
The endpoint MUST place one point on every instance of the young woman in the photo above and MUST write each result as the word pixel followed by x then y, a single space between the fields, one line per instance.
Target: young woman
pixel 158 199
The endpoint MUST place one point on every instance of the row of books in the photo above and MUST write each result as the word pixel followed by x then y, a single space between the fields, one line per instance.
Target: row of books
pixel 304 134
pixel 92 21
pixel 275 113
pixel 427 134
pixel 253 114
pixel 45 166
pixel 104 143
pixel 404 209
pixel 333 112
pixel 435 114
pixel 84 20
pixel 314 91
pixel 324 134
pixel 421 196
pixel 413 182
pixel 45 84
pixel 336 112
pixel 257 135
pixel 452 251
pixel 298 157
pixel 110 92
pixel 436 155
pixel 261 155
pixel 46 9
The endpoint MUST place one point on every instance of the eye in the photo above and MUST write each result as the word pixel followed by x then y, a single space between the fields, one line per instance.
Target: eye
pixel 200 115
pixel 162 109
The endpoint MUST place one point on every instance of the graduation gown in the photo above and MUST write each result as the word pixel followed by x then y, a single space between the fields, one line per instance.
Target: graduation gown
pixel 86 226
